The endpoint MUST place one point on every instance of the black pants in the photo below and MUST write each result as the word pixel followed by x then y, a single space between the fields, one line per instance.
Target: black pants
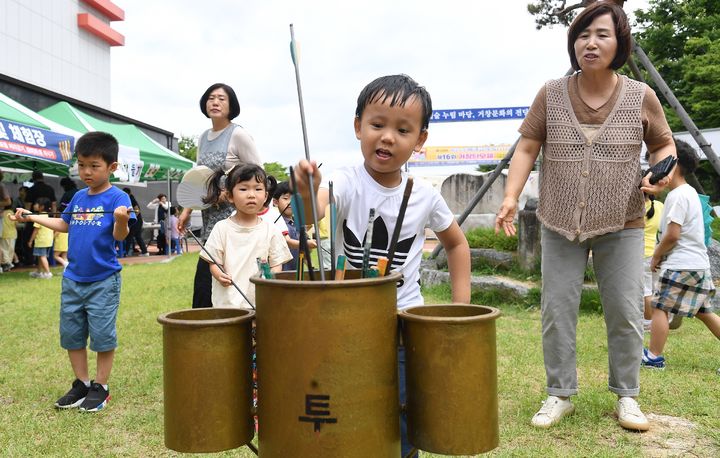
pixel 24 252
pixel 135 235
pixel 202 293
pixel 162 244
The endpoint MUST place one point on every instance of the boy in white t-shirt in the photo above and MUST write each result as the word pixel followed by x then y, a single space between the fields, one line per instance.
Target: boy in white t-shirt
pixel 685 286
pixel 391 121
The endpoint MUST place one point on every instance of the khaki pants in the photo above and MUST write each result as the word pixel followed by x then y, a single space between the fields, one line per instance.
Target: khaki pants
pixel 7 250
pixel 618 265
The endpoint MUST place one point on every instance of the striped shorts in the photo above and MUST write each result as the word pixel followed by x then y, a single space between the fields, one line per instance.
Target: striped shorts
pixel 684 292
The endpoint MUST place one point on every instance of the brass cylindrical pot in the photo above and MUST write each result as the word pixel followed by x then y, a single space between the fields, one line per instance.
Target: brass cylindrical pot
pixel 327 367
pixel 207 379
pixel 451 378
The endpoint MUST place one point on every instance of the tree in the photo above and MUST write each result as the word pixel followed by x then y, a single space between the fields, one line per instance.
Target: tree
pixel 681 39
pixel 553 12
pixel 277 170
pixel 187 146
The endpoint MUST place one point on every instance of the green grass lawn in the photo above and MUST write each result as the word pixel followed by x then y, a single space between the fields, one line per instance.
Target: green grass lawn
pixel 34 372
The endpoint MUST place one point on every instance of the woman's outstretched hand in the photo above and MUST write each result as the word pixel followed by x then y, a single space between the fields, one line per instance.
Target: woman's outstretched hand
pixel 505 216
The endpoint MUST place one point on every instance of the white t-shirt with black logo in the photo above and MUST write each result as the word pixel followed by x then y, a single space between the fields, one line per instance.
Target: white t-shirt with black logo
pixel 356 192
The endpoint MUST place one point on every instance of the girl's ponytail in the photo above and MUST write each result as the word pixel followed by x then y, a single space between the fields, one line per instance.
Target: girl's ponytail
pixel 215 187
pixel 651 211
pixel 270 185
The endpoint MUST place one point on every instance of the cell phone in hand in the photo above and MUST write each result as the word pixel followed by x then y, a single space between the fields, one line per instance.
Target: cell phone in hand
pixel 661 169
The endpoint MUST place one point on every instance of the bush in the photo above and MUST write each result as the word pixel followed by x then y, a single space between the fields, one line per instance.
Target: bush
pixel 485 237
pixel 715 225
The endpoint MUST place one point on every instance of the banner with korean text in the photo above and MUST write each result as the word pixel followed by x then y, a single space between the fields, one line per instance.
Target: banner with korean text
pixel 35 143
pixel 479 114
pixel 432 156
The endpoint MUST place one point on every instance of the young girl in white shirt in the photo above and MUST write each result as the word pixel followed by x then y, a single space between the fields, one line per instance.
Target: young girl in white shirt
pixel 238 241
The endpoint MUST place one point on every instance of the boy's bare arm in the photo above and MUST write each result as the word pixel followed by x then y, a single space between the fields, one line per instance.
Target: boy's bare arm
pixel 121 228
pixel 56 224
pixel 458 253
pixel 302 170
pixel 667 243
pixel 292 243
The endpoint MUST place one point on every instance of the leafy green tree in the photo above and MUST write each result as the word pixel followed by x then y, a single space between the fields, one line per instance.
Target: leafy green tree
pixel 187 146
pixel 277 170
pixel 555 12
pixel 682 39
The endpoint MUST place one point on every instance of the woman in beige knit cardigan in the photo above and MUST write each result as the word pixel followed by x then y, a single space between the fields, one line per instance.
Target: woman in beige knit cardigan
pixel 591 126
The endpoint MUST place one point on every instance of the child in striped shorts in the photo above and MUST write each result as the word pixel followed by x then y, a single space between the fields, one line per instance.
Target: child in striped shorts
pixel 685 286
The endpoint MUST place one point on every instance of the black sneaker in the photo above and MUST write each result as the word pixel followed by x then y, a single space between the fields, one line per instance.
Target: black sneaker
pixel 96 399
pixel 74 397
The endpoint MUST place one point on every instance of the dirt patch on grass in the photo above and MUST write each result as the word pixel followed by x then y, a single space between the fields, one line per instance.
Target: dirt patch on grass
pixel 674 436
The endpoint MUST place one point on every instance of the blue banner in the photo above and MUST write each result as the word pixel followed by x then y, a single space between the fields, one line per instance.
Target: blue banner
pixel 36 143
pixel 478 114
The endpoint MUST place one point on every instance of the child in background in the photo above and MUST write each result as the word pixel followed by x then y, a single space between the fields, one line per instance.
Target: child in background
pixel 7 240
pixel 90 295
pixel 238 241
pixel 175 246
pixel 272 215
pixel 686 285
pixel 391 121
pixel 42 238
pixel 281 200
pixel 653 213
pixel 60 248
pixel 324 227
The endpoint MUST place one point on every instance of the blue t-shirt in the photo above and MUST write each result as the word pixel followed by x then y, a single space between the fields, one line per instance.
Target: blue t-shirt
pixel 91 246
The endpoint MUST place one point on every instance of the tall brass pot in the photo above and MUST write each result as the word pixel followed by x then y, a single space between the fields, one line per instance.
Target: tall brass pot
pixel 207 379
pixel 451 378
pixel 327 367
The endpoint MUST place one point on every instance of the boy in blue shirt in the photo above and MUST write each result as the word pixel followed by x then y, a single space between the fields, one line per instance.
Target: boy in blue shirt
pixel 91 283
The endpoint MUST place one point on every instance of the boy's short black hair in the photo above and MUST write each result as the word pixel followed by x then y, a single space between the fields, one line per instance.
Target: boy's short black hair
pixel 37 175
pixel 686 157
pixel 98 144
pixel 44 202
pixel 622 32
pixel 397 88
pixel 232 100
pixel 282 188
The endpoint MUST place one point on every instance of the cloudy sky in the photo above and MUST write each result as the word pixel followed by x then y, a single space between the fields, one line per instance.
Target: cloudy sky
pixel 469 54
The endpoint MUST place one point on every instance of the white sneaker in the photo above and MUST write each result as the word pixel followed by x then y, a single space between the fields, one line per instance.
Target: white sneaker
pixel 552 411
pixel 45 275
pixel 630 416
pixel 35 274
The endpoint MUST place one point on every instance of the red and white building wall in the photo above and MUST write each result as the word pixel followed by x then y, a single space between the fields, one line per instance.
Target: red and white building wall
pixel 61 45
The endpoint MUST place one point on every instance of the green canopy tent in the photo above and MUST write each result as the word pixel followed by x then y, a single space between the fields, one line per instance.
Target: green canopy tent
pixel 141 158
pixel 29 141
